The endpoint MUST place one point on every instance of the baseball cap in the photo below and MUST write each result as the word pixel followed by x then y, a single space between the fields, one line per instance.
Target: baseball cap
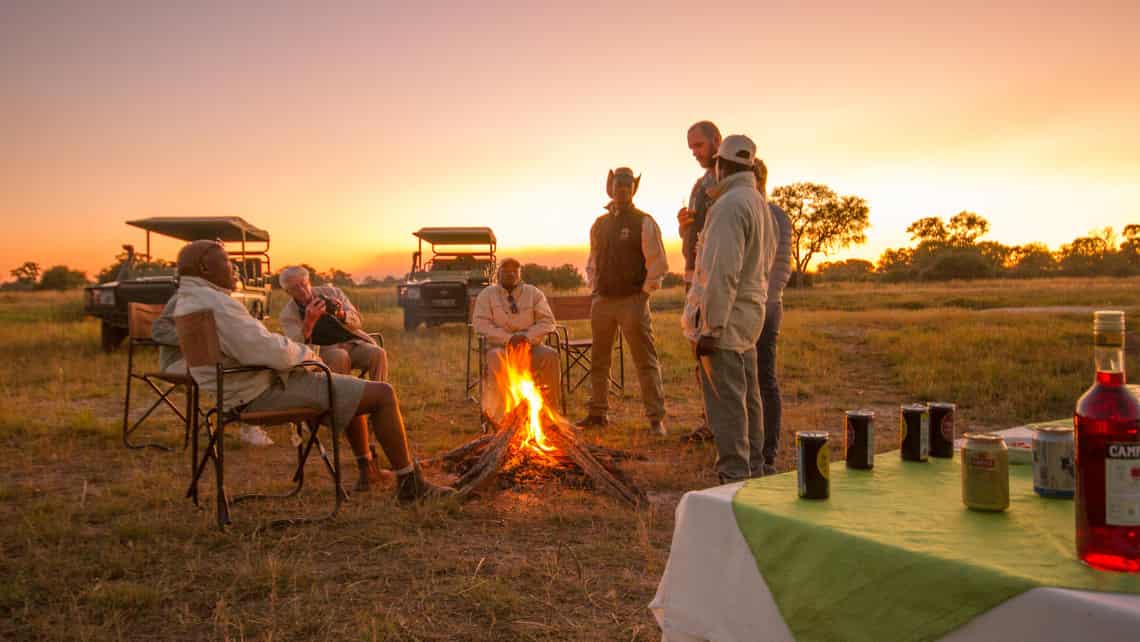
pixel 738 149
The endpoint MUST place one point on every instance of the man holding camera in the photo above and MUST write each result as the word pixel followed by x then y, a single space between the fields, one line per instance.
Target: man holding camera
pixel 353 350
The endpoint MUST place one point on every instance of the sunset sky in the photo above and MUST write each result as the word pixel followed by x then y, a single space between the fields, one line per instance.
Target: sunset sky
pixel 343 127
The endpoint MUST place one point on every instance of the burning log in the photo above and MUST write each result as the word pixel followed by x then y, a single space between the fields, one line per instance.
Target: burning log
pixel 534 444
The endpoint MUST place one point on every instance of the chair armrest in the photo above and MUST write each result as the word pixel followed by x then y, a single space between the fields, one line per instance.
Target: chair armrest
pixel 564 331
pixel 378 337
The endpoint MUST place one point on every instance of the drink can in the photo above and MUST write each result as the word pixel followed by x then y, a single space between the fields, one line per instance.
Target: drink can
pixel 1054 474
pixel 914 432
pixel 942 429
pixel 860 443
pixel 813 462
pixel 985 472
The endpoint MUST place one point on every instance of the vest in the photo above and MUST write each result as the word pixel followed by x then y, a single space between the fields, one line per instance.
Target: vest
pixel 620 261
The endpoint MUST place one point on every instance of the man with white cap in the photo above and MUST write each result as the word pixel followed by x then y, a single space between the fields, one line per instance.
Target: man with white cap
pixel 627 262
pixel 724 309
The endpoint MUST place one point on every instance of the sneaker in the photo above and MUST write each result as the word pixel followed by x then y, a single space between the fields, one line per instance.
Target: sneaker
pixel 412 487
pixel 699 435
pixel 593 421
pixel 254 436
pixel 658 428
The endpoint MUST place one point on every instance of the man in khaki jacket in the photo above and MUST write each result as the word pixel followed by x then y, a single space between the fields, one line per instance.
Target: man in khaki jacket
pixel 724 310
pixel 300 316
pixel 515 313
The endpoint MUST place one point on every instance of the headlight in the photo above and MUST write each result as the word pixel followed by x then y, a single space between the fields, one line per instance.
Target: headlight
pixel 411 293
pixel 105 297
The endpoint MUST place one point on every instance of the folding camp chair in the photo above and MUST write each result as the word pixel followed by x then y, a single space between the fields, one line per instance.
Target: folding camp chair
pixel 198 337
pixel 576 351
pixel 140 317
pixel 474 381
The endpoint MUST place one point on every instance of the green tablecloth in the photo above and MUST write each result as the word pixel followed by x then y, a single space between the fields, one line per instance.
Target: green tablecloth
pixel 894 555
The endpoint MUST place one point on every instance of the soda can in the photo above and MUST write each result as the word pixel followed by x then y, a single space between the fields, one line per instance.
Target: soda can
pixel 813 462
pixel 942 429
pixel 1053 462
pixel 860 443
pixel 985 472
pixel 914 432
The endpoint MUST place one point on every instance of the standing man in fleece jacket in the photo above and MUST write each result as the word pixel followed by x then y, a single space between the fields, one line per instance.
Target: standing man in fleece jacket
pixel 725 307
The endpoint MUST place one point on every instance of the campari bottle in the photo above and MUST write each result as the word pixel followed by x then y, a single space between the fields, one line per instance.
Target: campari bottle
pixel 1107 434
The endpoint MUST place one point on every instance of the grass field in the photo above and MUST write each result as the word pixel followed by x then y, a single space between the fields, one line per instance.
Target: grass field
pixel 97 542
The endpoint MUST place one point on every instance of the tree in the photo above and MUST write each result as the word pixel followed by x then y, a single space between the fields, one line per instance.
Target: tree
pixel 339 278
pixel 928 231
pixel 1084 256
pixel 822 221
pixel 896 265
pixel 61 277
pixel 141 266
pixel 1130 247
pixel 849 270
pixel 1031 260
pixel 27 275
pixel 966 228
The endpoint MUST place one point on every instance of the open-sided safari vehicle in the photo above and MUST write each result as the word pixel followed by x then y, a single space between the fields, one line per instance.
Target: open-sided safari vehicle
pixel 248 247
pixel 442 288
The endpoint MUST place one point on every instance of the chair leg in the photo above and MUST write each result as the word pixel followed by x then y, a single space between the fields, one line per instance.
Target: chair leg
pixel 220 474
pixel 163 398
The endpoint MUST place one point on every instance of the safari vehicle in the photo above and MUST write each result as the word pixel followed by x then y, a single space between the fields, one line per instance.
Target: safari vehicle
pixel 248 247
pixel 443 288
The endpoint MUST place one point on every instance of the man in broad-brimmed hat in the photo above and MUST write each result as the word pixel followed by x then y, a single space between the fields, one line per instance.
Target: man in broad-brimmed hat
pixel 724 309
pixel 627 262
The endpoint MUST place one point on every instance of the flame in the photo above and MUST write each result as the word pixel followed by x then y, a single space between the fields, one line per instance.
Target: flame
pixel 518 385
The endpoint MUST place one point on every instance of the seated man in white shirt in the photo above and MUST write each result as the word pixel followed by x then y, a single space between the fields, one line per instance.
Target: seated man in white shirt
pixel 300 316
pixel 513 312
pixel 205 282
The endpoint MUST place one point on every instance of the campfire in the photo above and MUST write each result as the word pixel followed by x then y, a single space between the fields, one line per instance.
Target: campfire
pixel 533 444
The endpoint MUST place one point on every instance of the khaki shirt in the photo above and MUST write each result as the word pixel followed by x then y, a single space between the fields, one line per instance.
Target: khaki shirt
pixel 244 341
pixel 293 324
pixel 493 317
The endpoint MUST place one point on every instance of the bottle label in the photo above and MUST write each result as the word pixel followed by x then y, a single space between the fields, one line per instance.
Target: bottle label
pixel 1122 484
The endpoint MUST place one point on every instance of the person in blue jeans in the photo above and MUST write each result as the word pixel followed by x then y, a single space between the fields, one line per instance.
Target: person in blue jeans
pixel 773 314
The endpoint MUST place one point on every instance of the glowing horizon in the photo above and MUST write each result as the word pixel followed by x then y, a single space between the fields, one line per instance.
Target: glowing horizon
pixel 343 131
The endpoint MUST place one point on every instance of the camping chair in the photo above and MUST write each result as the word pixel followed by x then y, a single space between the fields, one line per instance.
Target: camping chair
pixel 198 337
pixel 474 382
pixel 576 352
pixel 140 317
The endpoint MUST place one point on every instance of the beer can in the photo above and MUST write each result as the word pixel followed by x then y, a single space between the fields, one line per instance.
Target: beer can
pixel 914 432
pixel 985 472
pixel 942 429
pixel 813 462
pixel 860 443
pixel 1053 462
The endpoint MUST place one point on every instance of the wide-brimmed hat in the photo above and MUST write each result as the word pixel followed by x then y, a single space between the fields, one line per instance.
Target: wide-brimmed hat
pixel 623 174
pixel 739 149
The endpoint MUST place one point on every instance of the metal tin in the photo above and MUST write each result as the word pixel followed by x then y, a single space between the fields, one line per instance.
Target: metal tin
pixel 914 432
pixel 942 429
pixel 1054 473
pixel 813 461
pixel 985 472
pixel 860 442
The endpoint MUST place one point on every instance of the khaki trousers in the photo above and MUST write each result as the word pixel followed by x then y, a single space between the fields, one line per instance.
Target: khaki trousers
pixel 630 314
pixel 545 369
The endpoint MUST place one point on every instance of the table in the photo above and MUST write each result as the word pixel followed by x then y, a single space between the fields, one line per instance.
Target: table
pixel 714 588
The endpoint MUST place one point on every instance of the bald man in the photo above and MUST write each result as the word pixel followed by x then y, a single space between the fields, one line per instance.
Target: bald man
pixel 205 281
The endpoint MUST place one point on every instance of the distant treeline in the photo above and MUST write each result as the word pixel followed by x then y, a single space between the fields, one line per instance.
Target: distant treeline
pixel 953 249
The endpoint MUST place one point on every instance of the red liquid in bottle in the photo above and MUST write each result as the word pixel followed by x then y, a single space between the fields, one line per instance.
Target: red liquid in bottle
pixel 1107 424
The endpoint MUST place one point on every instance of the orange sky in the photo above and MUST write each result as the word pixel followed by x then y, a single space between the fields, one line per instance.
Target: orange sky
pixel 342 130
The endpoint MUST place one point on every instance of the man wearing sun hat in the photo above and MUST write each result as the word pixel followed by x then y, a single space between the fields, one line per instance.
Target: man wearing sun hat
pixel 627 262
pixel 724 309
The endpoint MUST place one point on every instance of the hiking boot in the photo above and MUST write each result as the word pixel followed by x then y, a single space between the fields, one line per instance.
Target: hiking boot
pixel 657 427
pixel 593 421
pixel 412 487
pixel 699 435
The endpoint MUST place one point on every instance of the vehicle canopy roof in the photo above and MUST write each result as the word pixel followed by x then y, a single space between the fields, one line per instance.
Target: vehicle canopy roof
pixel 456 235
pixel 229 229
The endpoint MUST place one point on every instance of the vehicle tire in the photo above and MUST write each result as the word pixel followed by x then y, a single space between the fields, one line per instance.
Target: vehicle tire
pixel 112 337
pixel 410 321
